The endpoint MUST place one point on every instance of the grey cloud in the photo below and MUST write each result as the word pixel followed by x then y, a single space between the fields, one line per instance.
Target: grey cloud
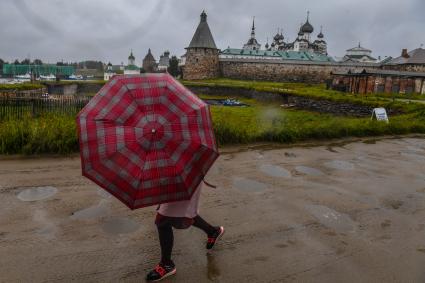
pixel 106 29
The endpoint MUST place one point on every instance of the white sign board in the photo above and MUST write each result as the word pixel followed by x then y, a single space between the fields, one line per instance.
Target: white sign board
pixel 380 114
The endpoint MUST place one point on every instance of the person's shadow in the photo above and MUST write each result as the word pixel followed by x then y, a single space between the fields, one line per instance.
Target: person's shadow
pixel 213 272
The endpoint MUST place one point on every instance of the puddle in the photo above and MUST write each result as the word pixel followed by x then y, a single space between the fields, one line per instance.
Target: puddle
pixel 332 219
pixel 95 211
pixel 339 165
pixel 308 171
pixel 120 225
pixel 248 185
pixel 414 148
pixel 275 171
pixel 37 193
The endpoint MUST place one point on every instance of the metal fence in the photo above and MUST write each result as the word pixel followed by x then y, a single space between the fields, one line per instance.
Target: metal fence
pixel 17 108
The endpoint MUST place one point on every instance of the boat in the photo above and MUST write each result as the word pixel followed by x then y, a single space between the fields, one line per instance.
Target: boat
pixel 50 77
pixel 74 77
pixel 23 78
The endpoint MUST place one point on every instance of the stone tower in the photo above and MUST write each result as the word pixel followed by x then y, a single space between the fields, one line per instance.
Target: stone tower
pixel 149 63
pixel 202 54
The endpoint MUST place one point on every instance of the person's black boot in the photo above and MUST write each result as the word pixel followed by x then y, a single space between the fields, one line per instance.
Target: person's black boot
pixel 160 272
pixel 215 237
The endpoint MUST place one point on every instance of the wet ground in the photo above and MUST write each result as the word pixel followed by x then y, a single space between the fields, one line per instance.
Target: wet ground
pixel 334 213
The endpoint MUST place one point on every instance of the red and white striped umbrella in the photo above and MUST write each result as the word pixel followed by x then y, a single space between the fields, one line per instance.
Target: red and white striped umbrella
pixel 146 139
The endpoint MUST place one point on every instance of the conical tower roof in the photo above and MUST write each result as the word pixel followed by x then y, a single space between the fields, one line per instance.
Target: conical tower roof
pixel 203 37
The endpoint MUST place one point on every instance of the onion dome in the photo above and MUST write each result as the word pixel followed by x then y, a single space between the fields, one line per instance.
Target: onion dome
pixel 273 44
pixel 307 27
pixel 281 37
pixel 320 35
pixel 267 45
pixel 300 33
pixel 276 37
pixel 131 57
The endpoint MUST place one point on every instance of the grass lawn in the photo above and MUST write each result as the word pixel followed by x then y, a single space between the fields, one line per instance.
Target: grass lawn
pixel 271 123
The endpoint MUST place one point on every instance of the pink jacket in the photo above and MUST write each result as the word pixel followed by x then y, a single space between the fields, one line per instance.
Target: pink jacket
pixel 186 208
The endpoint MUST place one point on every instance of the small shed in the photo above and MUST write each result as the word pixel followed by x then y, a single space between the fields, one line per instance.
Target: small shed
pixel 379 81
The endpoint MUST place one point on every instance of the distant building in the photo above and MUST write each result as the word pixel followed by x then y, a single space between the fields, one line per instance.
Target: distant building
pixel 149 63
pixel 131 68
pixel 164 61
pixel 413 61
pixel 252 43
pixel 359 54
pixel 109 72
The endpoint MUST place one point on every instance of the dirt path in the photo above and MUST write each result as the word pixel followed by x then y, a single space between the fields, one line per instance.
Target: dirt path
pixel 353 213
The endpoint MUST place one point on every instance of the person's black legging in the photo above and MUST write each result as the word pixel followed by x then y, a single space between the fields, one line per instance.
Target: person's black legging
pixel 166 237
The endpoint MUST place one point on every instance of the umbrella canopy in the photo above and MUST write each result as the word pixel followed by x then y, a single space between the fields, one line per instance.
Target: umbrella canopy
pixel 146 139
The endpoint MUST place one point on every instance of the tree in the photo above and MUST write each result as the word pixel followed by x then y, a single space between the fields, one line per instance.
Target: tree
pixel 16 62
pixel 38 62
pixel 26 62
pixel 1 66
pixel 173 69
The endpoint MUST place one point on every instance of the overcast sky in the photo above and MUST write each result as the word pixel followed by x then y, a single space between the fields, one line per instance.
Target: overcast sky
pixel 107 29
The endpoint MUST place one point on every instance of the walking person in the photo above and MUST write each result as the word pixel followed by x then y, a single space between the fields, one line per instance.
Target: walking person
pixel 179 215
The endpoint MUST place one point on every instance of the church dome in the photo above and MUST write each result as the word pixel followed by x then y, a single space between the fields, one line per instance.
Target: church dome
pixel 320 35
pixel 301 33
pixel 131 57
pixel 307 28
pixel 276 37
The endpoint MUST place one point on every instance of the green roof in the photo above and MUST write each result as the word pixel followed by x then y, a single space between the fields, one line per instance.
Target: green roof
pixel 284 55
pixel 132 68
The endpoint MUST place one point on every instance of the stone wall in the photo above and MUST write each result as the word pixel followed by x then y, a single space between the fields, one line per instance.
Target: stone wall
pixel 285 71
pixel 201 63
pixel 300 102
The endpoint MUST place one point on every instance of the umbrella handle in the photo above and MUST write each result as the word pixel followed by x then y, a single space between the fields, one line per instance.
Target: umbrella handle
pixel 209 185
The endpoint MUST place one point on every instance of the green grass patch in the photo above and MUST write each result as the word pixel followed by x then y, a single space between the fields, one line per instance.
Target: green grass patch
pixel 271 123
pixel 20 87
pixel 48 134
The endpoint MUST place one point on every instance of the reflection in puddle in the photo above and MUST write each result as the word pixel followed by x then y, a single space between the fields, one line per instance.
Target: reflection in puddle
pixel 275 171
pixel 248 185
pixel 308 171
pixel 340 165
pixel 95 211
pixel 37 193
pixel 213 272
pixel 120 225
pixel 332 219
